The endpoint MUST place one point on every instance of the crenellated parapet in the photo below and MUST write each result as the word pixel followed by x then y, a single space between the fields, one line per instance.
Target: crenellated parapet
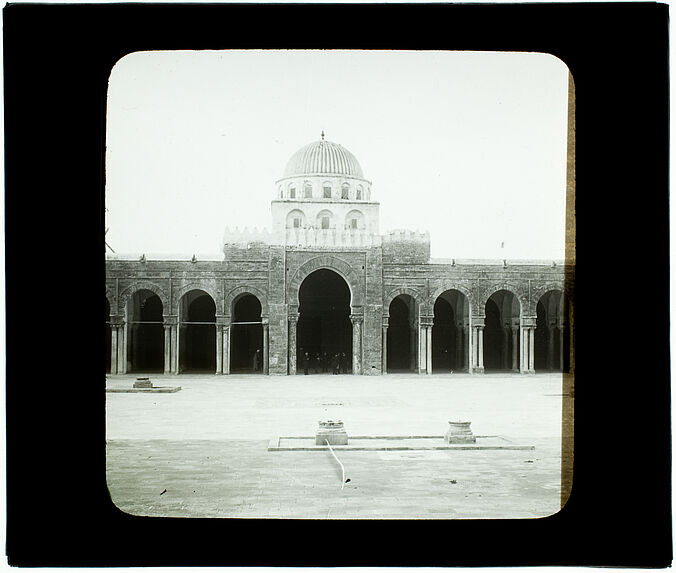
pixel 246 236
pixel 406 246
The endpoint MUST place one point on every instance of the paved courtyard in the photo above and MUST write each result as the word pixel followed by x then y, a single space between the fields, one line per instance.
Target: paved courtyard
pixel 202 451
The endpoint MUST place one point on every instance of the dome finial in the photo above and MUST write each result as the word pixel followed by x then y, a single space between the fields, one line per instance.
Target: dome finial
pixel 322 135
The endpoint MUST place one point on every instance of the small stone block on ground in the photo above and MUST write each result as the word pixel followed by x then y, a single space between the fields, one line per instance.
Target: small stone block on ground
pixel 143 383
pixel 332 433
pixel 459 433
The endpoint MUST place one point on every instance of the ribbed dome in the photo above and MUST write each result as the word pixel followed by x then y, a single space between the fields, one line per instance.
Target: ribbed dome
pixel 323 158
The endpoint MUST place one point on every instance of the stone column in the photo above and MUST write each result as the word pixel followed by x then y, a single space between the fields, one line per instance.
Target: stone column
pixel 113 348
pixel 219 349
pixel 226 348
pixel 357 321
pixel 167 348
pixel 293 325
pixel 170 346
pixel 480 362
pixel 429 349
pixel 477 345
pixel 425 345
pixel 266 345
pixel 122 349
pixel 531 351
pixel 116 335
pixel 527 344
pixel 174 348
pixel 222 321
pixel 422 356
pixel 386 322
pixel 515 347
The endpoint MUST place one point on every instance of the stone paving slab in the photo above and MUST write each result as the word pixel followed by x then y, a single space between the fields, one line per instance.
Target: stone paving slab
pixel 239 478
pixel 241 406
pixel 207 447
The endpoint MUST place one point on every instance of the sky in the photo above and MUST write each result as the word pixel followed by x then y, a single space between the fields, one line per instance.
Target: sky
pixel 470 146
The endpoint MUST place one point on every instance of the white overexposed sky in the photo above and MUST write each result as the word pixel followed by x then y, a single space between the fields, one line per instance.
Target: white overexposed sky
pixel 470 146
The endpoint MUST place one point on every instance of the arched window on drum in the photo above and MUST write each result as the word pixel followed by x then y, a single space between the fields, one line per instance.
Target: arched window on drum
pixel 355 220
pixel 324 219
pixel 295 219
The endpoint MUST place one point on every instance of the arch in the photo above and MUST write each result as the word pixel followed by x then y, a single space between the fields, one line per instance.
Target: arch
pixel 209 289
pixel 354 219
pixel 291 191
pixel 236 292
pixel 552 333
pixel 246 339
pixel 138 285
pixel 324 331
pixel 324 219
pixel 327 190
pixel 510 287
pixel 296 219
pixel 402 347
pixel 197 330
pixel 503 310
pixel 333 263
pixel 144 312
pixel 391 295
pixel 360 193
pixel 538 291
pixel 452 285
pixel 450 331
pixel 307 190
pixel 345 191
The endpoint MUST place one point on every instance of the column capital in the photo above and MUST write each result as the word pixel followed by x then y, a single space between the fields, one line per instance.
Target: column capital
pixel 386 321
pixel 478 321
pixel 265 321
pixel 293 318
pixel 357 318
pixel 116 320
pixel 528 321
pixel 170 319
pixel 223 319
pixel 426 320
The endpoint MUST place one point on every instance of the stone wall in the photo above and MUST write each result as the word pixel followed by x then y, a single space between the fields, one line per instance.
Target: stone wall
pixel 406 247
pixel 374 275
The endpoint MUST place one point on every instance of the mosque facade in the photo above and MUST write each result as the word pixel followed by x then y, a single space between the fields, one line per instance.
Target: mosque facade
pixel 325 290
